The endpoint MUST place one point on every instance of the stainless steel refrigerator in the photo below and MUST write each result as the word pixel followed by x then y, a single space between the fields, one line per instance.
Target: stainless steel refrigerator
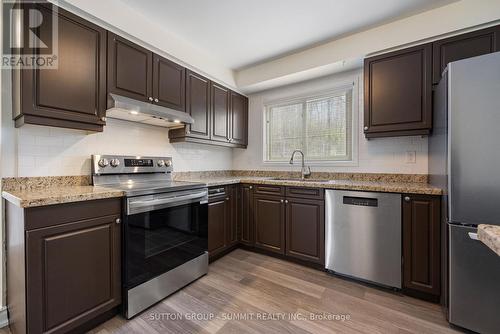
pixel 464 159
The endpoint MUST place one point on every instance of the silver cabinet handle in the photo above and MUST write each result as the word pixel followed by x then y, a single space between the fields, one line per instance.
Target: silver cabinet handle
pixel 250 187
pixel 407 198
pixel 103 119
pixel 118 220
pixel 156 100
pixel 227 198
pixel 286 201
pixel 365 128
pixel 150 99
pixel 473 236
pixel 282 201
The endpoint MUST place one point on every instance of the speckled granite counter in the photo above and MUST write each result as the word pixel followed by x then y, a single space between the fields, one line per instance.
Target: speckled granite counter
pixel 27 192
pixel 57 195
pixel 378 186
pixel 490 236
pixel 40 191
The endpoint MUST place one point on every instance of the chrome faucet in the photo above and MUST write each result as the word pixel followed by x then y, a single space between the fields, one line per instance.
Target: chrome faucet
pixel 305 172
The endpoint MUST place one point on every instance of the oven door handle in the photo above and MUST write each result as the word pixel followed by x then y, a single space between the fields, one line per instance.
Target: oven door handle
pixel 137 205
pixel 169 200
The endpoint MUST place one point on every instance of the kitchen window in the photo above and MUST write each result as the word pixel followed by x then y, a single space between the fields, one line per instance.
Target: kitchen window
pixel 321 126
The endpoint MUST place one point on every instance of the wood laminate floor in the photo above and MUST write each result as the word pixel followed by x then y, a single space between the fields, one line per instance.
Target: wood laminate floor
pixel 277 296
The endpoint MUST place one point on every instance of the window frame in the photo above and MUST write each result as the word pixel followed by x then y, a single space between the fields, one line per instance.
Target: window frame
pixel 354 86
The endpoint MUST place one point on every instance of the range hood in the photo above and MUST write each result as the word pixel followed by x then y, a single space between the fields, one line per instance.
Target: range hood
pixel 148 113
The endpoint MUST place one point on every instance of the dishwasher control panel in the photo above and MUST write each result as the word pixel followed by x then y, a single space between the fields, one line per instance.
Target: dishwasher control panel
pixel 360 201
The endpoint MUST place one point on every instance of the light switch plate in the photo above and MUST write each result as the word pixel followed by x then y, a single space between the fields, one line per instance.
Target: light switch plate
pixel 411 157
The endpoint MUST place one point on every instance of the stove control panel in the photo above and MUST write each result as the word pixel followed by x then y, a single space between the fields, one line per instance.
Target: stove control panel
pixel 108 164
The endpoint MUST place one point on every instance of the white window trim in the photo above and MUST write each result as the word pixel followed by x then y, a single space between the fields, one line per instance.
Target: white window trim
pixel 341 86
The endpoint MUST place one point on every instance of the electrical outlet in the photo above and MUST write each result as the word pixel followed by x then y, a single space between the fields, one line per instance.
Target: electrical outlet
pixel 411 157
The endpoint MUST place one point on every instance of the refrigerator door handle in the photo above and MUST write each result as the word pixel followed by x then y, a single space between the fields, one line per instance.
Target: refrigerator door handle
pixel 473 236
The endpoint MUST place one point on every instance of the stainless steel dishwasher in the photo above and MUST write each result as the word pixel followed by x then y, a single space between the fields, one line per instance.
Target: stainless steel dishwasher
pixel 363 236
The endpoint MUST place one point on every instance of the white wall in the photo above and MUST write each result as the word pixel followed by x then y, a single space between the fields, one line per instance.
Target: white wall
pixel 54 151
pixel 454 18
pixel 387 155
pixel 122 19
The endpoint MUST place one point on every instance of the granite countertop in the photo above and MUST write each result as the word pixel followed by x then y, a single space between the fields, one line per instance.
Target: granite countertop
pixel 378 186
pixel 490 236
pixel 38 191
pixel 27 198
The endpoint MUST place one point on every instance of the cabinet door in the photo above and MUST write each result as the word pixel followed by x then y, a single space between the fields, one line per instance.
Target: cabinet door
pixel 130 69
pixel 198 105
pixel 463 46
pixel 232 215
pixel 269 220
pixel 169 83
pixel 217 213
pixel 239 119
pixel 74 94
pixel 421 245
pixel 246 226
pixel 305 229
pixel 220 113
pixel 398 93
pixel 73 273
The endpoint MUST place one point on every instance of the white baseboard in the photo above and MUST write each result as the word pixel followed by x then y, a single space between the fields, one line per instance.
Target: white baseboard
pixel 4 320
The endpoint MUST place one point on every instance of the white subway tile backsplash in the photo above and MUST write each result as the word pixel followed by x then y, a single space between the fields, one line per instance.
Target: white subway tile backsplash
pixel 52 151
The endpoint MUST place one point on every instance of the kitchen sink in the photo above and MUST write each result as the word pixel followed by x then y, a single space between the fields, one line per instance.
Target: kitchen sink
pixel 299 179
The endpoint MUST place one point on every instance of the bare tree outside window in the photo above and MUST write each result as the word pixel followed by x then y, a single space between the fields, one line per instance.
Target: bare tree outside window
pixel 319 126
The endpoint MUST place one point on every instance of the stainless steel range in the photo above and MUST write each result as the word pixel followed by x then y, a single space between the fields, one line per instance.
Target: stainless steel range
pixel 164 227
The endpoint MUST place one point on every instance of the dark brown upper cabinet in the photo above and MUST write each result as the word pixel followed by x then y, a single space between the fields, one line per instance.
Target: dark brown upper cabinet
pixel 398 90
pixel 239 119
pixel 220 112
pixel 421 246
pixel 138 73
pixel 74 94
pixel 220 115
pixel 463 46
pixel 169 83
pixel 198 107
pixel 130 69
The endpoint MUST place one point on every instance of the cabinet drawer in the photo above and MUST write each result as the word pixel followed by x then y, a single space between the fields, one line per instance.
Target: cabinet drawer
pixel 303 192
pixel 51 215
pixel 265 189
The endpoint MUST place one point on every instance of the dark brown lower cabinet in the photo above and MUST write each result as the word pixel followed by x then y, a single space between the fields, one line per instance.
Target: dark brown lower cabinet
pixel 245 215
pixel 64 265
pixel 305 229
pixel 222 221
pixel 292 225
pixel 217 214
pixel 421 246
pixel 269 220
pixel 232 214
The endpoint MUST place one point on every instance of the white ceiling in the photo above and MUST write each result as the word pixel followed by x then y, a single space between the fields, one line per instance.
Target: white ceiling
pixel 241 33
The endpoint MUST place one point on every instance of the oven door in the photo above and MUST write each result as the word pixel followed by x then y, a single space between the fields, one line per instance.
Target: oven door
pixel 163 231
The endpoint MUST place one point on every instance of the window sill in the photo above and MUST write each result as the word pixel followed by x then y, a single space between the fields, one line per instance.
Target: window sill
pixel 312 163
